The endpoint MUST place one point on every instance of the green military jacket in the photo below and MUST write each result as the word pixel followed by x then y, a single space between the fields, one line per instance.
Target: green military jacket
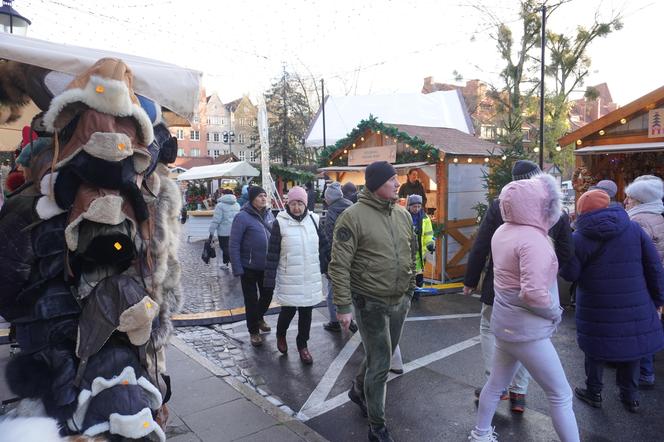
pixel 373 252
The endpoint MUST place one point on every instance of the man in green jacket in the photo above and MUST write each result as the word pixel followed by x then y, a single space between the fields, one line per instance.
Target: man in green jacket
pixel 373 273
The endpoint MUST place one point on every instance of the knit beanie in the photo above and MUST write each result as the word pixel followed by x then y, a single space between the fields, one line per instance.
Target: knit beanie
pixel 377 174
pixel 608 186
pixel 646 190
pixel 524 169
pixel 414 199
pixel 348 189
pixel 592 200
pixel 333 192
pixel 254 191
pixel 298 194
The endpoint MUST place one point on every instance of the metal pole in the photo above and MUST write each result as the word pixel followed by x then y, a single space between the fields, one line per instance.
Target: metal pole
pixel 542 64
pixel 322 86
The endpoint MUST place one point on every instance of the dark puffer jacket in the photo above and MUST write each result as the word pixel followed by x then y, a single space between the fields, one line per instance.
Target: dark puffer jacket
pixel 327 225
pixel 250 235
pixel 620 281
pixel 561 233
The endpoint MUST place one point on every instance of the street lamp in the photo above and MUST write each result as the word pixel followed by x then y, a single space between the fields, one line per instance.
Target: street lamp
pixel 11 21
pixel 229 138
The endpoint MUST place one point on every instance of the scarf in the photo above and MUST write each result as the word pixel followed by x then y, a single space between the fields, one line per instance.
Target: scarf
pixel 417 220
pixel 652 207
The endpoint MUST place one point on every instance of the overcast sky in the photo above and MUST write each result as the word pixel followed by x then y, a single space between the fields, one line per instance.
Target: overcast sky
pixel 358 46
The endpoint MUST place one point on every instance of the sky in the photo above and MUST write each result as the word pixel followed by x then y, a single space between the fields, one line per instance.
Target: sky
pixel 358 46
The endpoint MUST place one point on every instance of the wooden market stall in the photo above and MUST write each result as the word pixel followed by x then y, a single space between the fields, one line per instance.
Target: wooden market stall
pixel 451 164
pixel 620 146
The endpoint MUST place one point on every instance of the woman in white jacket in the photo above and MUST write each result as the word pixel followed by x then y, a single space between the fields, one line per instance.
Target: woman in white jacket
pixel 294 267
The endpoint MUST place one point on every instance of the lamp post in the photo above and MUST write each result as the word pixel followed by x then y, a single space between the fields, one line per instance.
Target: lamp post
pixel 11 21
pixel 229 138
pixel 541 116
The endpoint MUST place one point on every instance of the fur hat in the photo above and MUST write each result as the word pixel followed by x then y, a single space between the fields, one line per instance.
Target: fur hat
pixel 254 191
pixel 646 190
pixel 524 169
pixel 297 193
pixel 107 87
pixel 592 200
pixel 377 173
pixel 333 192
pixel 414 199
pixel 608 186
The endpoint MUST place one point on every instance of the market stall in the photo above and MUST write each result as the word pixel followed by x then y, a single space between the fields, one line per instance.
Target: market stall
pixel 198 221
pixel 452 164
pixel 620 146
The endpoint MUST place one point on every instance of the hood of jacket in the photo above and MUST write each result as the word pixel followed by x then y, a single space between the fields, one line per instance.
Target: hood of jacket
pixel 372 200
pixel 251 210
pixel 227 199
pixel 604 223
pixel 533 202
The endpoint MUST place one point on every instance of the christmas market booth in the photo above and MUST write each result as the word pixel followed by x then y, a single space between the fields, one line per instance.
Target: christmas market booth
pixel 451 166
pixel 620 146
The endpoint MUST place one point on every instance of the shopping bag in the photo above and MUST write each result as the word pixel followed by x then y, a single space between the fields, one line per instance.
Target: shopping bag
pixel 208 251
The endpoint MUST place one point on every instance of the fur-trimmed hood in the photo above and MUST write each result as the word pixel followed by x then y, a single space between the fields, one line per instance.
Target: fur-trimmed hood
pixel 534 202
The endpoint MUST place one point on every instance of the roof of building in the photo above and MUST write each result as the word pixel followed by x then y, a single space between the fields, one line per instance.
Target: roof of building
pixel 189 162
pixel 231 106
pixel 450 141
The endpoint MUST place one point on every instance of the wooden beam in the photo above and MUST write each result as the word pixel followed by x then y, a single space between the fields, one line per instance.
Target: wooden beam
pixel 468 222
pixel 441 211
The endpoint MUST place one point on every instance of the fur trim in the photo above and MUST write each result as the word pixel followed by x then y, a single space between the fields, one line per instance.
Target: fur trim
pixel 47 208
pixel 136 321
pixel 45 185
pixel 553 205
pixel 106 210
pixel 142 160
pixel 33 429
pixel 136 426
pixel 114 99
pixel 109 146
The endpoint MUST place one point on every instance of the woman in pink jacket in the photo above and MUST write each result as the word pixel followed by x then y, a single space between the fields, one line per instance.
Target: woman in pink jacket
pixel 526 309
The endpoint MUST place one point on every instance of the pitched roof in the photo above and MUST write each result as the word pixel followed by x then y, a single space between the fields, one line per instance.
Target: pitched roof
pixel 450 141
pixel 226 158
pixel 189 162
pixel 231 106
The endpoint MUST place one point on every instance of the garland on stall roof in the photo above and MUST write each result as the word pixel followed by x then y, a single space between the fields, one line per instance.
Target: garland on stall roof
pixel 418 150
pixel 291 174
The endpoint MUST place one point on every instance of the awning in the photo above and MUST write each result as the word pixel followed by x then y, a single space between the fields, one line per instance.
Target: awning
pixel 621 148
pixel 360 168
pixel 171 86
pixel 224 170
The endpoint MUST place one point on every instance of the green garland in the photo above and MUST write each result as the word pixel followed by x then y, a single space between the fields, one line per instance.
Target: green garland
pixel 425 152
pixel 291 174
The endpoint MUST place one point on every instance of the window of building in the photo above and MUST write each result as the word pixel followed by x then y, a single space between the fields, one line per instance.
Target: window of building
pixel 242 155
pixel 252 156
pixel 196 119
pixel 215 136
pixel 194 152
pixel 195 135
pixel 207 136
pixel 240 138
pixel 216 153
pixel 179 134
pixel 488 132
pixel 227 151
pixel 180 152
pixel 215 119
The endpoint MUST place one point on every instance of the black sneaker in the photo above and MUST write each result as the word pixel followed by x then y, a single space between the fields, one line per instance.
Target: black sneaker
pixel 353 327
pixel 332 326
pixel 354 396
pixel 631 406
pixel 592 399
pixel 379 434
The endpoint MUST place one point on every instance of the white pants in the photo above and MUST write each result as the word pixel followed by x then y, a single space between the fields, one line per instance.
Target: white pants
pixel 488 344
pixel 541 360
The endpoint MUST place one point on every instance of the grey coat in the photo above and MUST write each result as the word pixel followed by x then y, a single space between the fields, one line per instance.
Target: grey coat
pixel 224 213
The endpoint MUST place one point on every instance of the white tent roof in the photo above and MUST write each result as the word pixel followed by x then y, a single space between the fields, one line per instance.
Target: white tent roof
pixel 171 86
pixel 343 114
pixel 224 170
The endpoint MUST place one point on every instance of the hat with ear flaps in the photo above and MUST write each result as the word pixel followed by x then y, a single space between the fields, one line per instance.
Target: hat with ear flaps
pixel 107 86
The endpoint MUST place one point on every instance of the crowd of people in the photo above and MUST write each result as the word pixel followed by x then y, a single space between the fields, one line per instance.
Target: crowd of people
pixel 371 252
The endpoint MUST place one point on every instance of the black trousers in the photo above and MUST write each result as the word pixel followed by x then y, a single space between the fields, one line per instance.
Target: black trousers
pixel 223 244
pixel 257 298
pixel 303 323
pixel 627 377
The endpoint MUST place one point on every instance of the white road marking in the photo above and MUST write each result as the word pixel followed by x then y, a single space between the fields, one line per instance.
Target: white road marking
pixel 435 318
pixel 342 398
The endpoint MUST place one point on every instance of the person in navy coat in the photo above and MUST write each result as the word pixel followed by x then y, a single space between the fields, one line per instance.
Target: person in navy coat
pixel 619 293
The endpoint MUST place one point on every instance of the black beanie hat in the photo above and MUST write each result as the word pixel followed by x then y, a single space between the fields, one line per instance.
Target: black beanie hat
pixel 254 191
pixel 524 169
pixel 377 174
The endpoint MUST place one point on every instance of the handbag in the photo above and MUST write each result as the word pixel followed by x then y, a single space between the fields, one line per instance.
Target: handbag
pixel 208 251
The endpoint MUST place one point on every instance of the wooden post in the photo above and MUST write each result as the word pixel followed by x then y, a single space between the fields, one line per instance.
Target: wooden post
pixel 441 215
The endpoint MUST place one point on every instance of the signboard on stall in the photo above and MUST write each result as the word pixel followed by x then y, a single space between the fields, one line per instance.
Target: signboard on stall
pixel 367 155
pixel 656 123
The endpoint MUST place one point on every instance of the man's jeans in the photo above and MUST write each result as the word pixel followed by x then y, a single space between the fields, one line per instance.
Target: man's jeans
pixel 488 343
pixel 380 326
pixel 331 308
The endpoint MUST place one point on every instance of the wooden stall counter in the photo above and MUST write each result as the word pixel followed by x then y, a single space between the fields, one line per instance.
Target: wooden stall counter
pixel 198 224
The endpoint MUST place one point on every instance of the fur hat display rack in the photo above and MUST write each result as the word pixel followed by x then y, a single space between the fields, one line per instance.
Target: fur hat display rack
pixel 89 272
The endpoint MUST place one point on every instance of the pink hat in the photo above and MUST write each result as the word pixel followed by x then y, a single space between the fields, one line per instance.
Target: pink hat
pixel 297 194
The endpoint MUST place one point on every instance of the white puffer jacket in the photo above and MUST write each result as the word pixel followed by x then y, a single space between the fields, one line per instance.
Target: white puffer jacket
pixel 298 279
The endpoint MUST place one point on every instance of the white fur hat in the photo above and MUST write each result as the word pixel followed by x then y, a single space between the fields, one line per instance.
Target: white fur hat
pixel 646 190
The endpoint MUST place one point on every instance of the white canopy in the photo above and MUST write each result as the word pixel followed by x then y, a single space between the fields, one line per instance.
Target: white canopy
pixel 224 170
pixel 171 86
pixel 343 114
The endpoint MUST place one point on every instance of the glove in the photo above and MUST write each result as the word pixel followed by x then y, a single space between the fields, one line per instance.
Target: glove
pixel 431 247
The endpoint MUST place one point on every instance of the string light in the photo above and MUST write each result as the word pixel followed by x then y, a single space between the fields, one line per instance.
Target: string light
pixel 470 160
pixel 536 149
pixel 345 150
pixel 601 132
pixel 558 148
pixel 378 132
pixel 353 144
pixel 622 121
pixel 579 142
pixel 504 157
pixel 486 160
pixel 456 160
pixel 361 138
pixel 416 151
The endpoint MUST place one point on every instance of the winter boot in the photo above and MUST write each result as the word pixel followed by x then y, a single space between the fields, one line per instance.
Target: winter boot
pixel 358 398
pixel 491 436
pixel 592 399
pixel 262 326
pixel 282 346
pixel 379 434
